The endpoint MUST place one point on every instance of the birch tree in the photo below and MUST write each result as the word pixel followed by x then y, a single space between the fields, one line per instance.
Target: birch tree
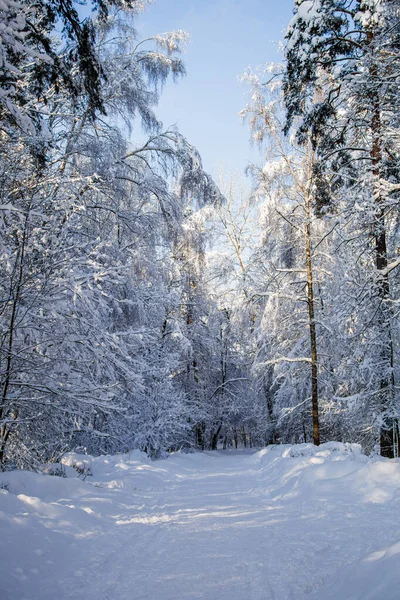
pixel 287 183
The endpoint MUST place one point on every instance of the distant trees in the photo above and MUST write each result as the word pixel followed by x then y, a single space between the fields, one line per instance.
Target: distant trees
pixel 233 274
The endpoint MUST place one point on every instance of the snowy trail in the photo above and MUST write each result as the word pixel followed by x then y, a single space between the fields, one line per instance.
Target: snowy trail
pixel 211 526
pixel 203 538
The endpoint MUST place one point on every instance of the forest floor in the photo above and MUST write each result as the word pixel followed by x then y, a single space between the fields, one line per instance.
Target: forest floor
pixel 286 522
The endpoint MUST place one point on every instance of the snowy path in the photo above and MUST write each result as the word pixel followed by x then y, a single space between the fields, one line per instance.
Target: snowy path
pixel 212 526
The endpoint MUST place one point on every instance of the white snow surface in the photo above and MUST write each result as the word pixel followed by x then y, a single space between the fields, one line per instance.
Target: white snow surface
pixel 286 522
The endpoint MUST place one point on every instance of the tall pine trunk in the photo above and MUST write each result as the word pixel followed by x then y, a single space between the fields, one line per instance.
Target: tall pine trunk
pixel 381 262
pixel 311 322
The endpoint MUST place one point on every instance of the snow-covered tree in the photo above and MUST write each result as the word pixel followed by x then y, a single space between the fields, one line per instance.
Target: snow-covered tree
pixel 90 219
pixel 294 249
pixel 352 49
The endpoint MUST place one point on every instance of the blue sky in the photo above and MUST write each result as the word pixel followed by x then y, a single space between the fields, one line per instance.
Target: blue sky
pixel 227 36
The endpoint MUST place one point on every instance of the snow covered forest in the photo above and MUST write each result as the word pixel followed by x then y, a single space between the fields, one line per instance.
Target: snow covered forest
pixel 147 306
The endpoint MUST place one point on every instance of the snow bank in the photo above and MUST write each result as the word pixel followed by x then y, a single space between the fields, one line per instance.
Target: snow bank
pixel 80 462
pixel 355 486
pixel 47 488
pixel 334 469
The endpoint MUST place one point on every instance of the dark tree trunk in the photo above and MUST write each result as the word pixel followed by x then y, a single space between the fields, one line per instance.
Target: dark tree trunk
pixel 312 328
pixel 387 432
pixel 214 438
pixel 244 437
pixel 5 410
pixel 200 431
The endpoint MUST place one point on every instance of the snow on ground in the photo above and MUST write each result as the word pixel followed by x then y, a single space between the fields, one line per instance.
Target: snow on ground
pixel 284 523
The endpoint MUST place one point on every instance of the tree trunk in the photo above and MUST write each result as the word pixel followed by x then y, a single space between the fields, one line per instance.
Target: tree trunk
pixel 244 437
pixel 312 328
pixel 269 398
pixel 214 438
pixel 386 384
pixel 6 379
pixel 200 431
